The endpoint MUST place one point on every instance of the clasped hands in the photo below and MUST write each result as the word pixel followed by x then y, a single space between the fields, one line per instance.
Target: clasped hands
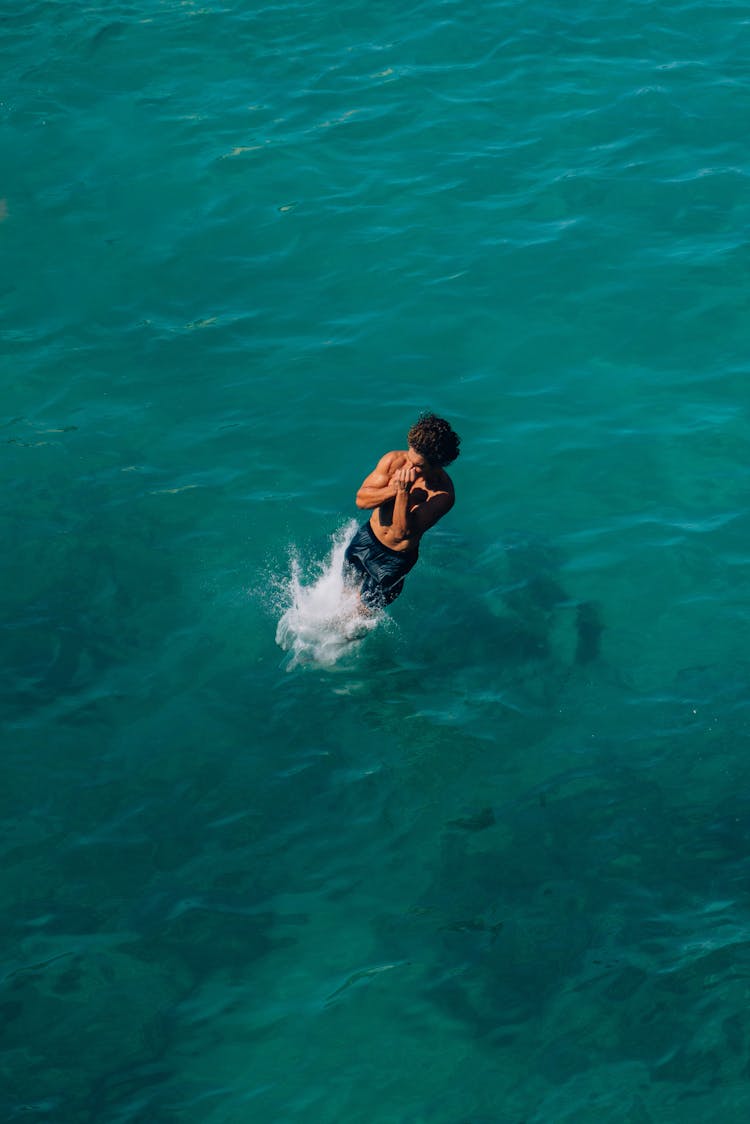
pixel 403 478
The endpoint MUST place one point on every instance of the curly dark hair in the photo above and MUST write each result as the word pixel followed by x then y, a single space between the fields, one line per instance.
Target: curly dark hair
pixel 434 439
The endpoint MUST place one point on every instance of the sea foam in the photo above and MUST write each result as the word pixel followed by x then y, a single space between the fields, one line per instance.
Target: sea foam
pixel 322 618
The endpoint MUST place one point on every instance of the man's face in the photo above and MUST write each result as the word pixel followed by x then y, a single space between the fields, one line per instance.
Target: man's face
pixel 418 461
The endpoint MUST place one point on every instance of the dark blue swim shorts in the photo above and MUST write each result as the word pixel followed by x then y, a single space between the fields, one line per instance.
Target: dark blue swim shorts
pixel 378 570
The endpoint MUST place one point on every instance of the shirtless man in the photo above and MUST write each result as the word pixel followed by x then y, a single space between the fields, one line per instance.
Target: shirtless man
pixel 408 491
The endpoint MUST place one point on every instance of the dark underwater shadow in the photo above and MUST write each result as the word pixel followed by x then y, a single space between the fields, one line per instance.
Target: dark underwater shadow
pixel 503 616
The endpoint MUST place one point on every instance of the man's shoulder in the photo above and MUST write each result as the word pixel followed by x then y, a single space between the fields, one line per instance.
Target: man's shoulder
pixel 447 484
pixel 443 495
pixel 394 459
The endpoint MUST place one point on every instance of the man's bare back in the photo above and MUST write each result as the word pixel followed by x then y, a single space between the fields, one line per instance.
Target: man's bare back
pixel 408 492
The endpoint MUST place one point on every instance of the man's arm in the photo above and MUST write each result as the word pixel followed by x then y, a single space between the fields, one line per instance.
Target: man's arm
pixel 406 523
pixel 427 514
pixel 378 486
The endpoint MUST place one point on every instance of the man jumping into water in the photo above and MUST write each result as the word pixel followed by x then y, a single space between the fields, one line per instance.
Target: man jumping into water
pixel 409 491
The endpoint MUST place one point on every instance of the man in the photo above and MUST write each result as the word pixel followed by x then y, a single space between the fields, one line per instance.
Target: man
pixel 408 491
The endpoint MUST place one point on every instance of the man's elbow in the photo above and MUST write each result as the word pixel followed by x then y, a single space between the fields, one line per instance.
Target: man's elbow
pixel 360 502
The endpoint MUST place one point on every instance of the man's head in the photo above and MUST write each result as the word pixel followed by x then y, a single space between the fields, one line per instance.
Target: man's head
pixel 434 442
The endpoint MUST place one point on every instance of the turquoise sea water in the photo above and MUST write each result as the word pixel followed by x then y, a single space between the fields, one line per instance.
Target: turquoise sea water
pixel 490 862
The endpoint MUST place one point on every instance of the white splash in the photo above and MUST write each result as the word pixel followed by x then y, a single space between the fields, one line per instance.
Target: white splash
pixel 322 615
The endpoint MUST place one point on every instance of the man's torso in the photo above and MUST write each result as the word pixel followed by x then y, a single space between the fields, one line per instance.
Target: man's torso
pixel 422 491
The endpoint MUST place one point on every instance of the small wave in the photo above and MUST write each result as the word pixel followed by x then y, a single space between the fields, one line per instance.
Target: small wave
pixel 322 618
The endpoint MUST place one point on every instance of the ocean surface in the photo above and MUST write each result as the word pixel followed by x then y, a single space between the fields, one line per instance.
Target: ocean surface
pixel 484 858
